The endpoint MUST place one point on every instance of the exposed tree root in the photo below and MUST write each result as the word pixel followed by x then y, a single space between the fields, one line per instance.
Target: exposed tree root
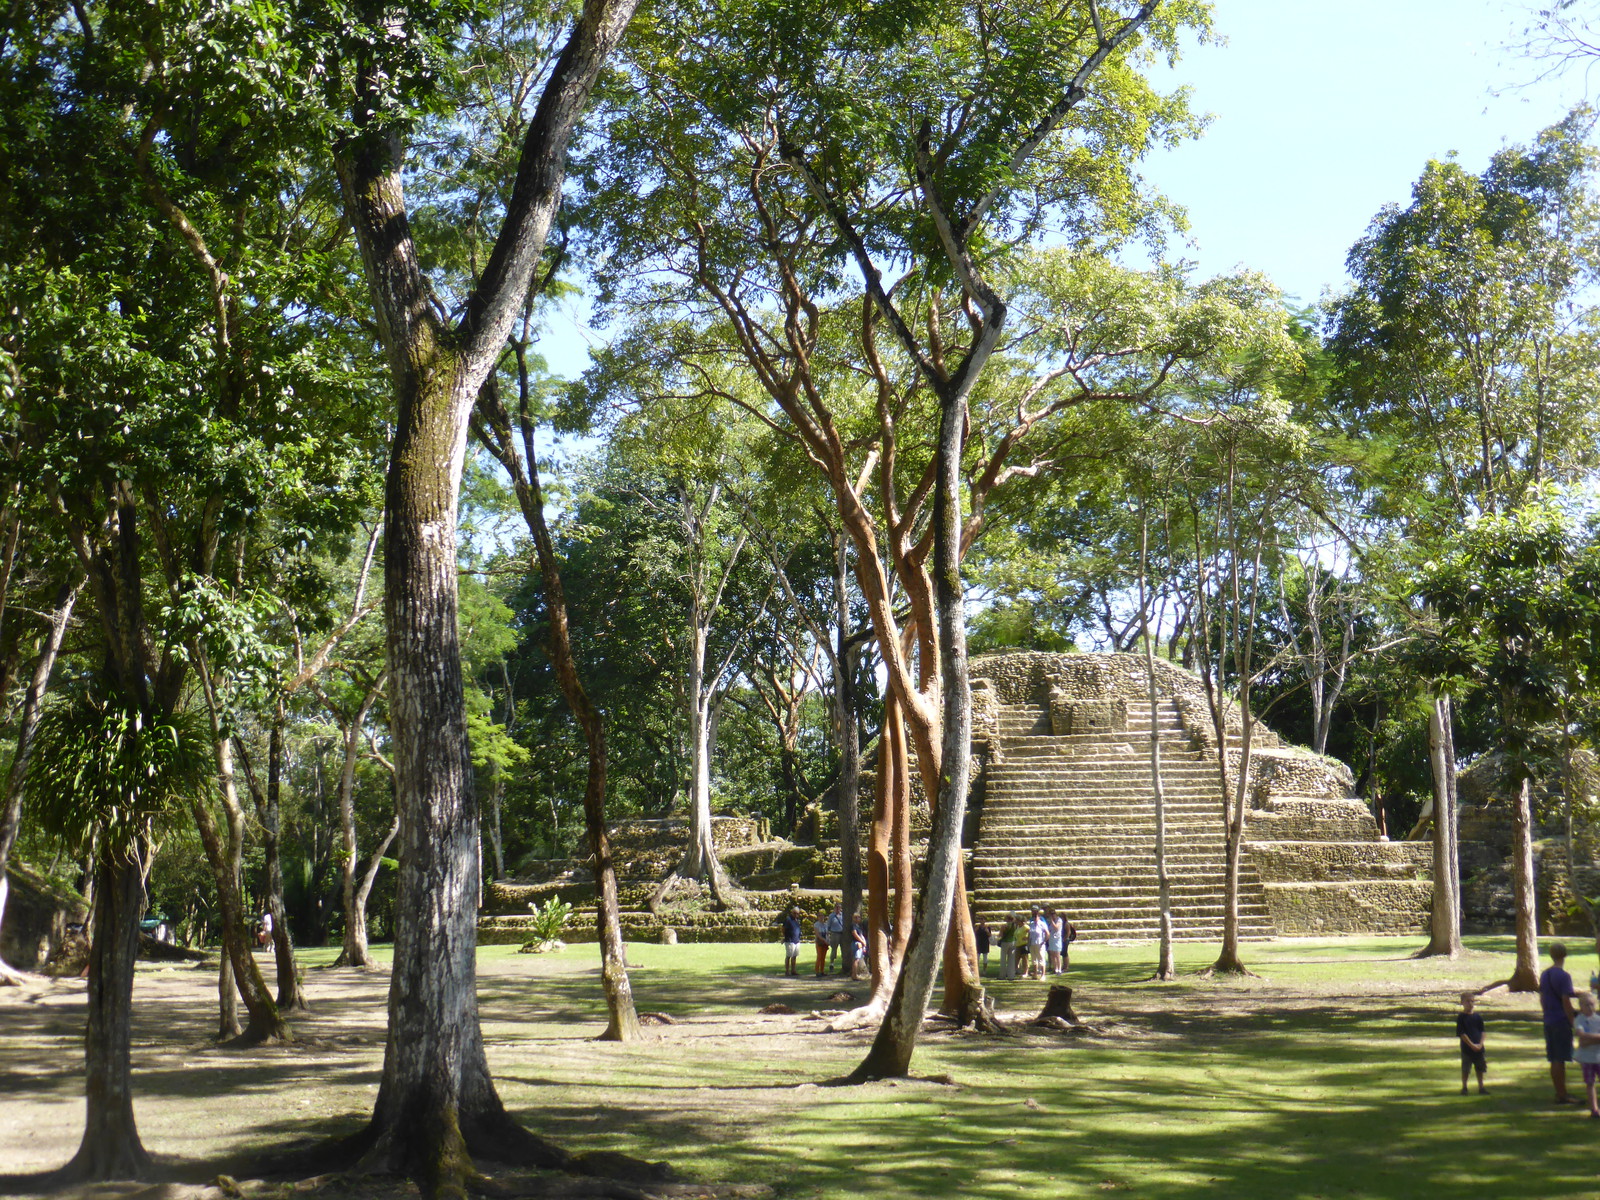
pixel 870 1013
pixel 11 977
pixel 490 1155
pixel 1234 970
pixel 258 1033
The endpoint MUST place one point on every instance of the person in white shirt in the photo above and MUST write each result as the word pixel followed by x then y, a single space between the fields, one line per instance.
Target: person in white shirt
pixel 1586 1025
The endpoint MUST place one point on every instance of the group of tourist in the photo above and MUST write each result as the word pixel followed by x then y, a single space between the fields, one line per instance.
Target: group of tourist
pixel 1571 1033
pixel 835 950
pixel 1032 944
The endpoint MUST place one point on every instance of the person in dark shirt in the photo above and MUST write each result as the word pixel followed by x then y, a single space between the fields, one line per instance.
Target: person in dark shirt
pixel 980 933
pixel 1555 997
pixel 1469 1031
pixel 791 941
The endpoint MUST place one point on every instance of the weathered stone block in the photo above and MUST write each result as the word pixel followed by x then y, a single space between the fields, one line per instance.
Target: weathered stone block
pixel 1365 906
pixel 1290 819
pixel 1307 862
pixel 1071 715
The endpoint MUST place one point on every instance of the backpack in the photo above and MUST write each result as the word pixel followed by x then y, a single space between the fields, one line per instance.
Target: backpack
pixel 1072 934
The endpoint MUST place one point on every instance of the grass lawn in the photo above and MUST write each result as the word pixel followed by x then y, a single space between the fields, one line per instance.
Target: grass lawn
pixel 1333 1074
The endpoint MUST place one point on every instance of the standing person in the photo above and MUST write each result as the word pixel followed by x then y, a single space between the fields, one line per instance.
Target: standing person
pixel 1019 944
pixel 819 928
pixel 1469 1032
pixel 1555 998
pixel 1007 943
pixel 791 940
pixel 264 928
pixel 980 932
pixel 860 969
pixel 1069 934
pixel 836 933
pixel 1055 930
pixel 1587 1027
pixel 1038 937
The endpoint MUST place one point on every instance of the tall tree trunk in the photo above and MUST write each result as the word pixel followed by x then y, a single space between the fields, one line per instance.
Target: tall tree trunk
pixel 1166 968
pixel 880 954
pixel 111 1148
pixel 27 726
pixel 356 936
pixel 1525 978
pixel 1444 921
pixel 896 1039
pixel 266 1023
pixel 497 845
pixel 228 1024
pixel 1228 960
pixel 353 893
pixel 291 996
pixel 700 855
pixel 436 1103
pixel 847 736
pixel 622 1019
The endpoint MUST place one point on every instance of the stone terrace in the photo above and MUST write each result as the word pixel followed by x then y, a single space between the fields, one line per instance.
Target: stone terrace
pixel 1067 811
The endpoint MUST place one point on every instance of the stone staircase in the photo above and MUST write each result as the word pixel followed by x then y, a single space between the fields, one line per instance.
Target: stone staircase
pixel 1069 820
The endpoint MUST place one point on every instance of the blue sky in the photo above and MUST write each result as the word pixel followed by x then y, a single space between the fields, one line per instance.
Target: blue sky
pixel 1323 111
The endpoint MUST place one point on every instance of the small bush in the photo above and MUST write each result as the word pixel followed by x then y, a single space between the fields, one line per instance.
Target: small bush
pixel 550 921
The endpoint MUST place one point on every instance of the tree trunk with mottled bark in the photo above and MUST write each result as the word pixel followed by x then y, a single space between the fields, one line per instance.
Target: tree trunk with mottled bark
pixel 111 1148
pixel 1525 978
pixel 291 995
pixel 1444 923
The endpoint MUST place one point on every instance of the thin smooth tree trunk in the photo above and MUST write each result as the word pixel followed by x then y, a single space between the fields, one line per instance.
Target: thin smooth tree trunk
pixel 1444 923
pixel 1166 968
pixel 291 995
pixel 848 737
pixel 353 892
pixel 1228 960
pixel 266 1023
pixel 111 1148
pixel 880 952
pixel 1525 978
pixel 896 1039
pixel 27 726
pixel 622 1019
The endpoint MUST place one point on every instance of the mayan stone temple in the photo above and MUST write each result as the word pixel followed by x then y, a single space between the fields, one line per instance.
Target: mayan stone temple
pixel 1061 812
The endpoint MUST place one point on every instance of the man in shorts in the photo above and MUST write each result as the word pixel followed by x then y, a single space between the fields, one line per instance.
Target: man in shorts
pixel 791 941
pixel 1556 998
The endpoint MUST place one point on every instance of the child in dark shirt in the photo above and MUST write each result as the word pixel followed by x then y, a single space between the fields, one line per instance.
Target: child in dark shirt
pixel 1469 1031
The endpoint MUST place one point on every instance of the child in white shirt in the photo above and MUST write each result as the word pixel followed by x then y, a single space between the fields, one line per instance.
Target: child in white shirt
pixel 1586 1025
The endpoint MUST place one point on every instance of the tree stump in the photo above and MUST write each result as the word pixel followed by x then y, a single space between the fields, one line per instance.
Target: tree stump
pixel 1058 1004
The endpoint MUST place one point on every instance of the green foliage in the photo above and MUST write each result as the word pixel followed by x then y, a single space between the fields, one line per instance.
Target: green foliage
pixel 99 765
pixel 1467 348
pixel 1518 604
pixel 549 921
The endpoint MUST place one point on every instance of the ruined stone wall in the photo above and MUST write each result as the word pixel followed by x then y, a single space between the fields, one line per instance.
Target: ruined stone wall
pixel 1365 906
pixel 1031 677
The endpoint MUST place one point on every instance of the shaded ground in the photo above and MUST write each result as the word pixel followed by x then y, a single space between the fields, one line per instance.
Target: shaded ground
pixel 1334 1075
